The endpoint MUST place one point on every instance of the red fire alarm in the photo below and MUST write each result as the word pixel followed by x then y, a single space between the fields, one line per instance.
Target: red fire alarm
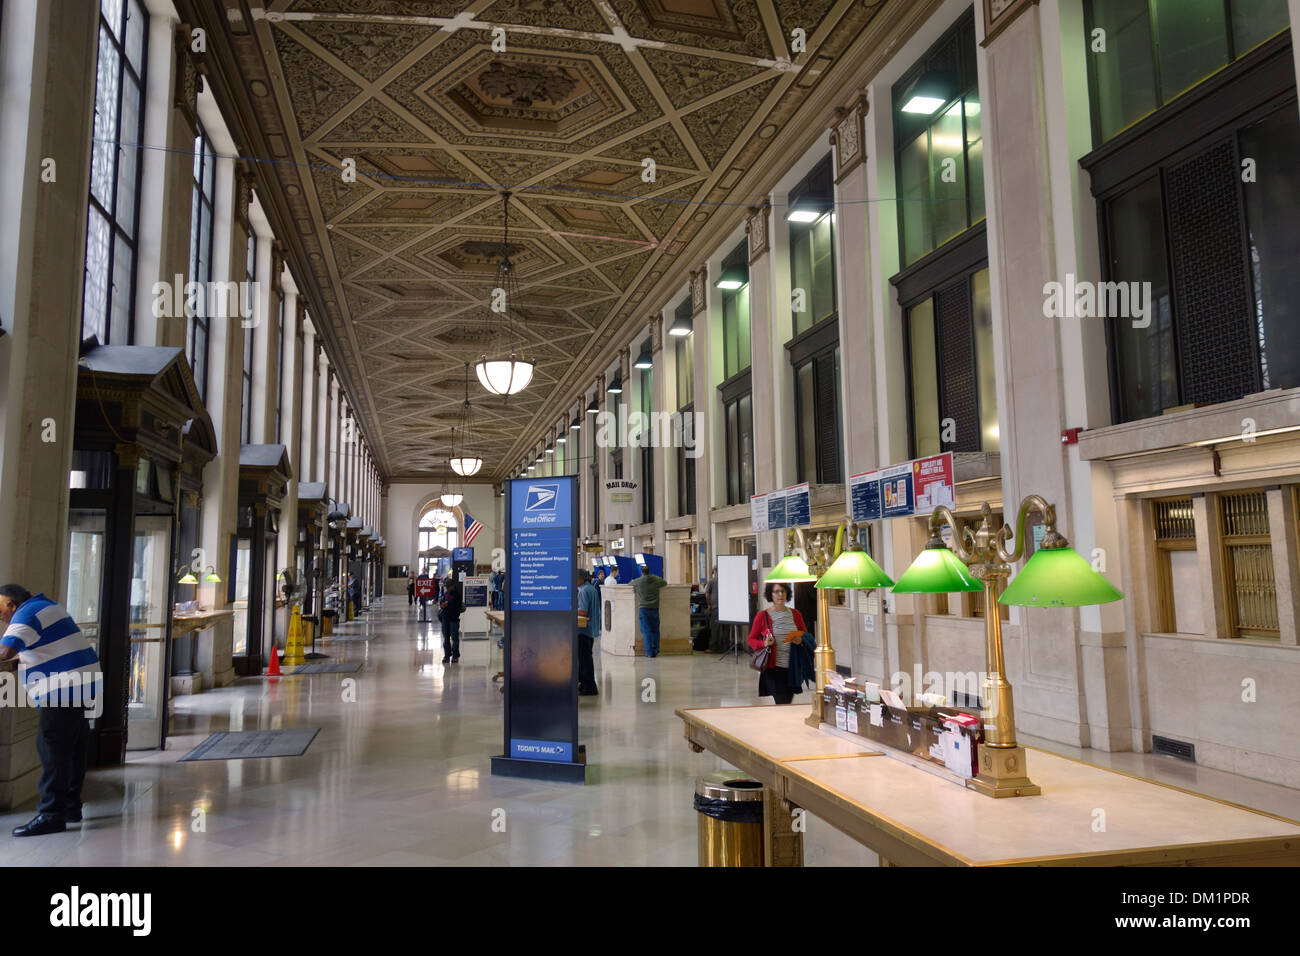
pixel 1070 436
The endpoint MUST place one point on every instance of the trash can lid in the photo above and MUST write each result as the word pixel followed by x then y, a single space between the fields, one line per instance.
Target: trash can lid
pixel 730 785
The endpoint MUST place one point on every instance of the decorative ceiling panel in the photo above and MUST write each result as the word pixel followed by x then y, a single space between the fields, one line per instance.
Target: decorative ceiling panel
pixel 438 117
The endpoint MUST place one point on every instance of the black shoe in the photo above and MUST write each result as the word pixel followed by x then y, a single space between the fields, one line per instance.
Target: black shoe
pixel 40 825
pixel 72 814
pixel 589 692
pixel 456 659
pixel 446 659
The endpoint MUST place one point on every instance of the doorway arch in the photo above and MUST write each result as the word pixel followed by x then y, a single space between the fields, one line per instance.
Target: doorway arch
pixel 429 518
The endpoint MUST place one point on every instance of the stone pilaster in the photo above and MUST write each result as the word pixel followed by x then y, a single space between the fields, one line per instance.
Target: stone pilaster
pixel 1057 662
pixel 48 50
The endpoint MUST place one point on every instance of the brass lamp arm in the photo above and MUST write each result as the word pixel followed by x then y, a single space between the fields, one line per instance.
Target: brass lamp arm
pixel 801 543
pixel 1031 503
pixel 943 515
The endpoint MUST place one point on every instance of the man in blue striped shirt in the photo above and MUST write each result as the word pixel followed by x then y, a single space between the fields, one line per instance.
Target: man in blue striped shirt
pixel 61 673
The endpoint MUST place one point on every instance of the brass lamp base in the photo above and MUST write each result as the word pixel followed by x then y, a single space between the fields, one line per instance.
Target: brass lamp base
pixel 815 718
pixel 1002 773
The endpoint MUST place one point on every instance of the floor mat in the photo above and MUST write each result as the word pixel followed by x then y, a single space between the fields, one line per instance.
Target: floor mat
pixel 332 667
pixel 240 745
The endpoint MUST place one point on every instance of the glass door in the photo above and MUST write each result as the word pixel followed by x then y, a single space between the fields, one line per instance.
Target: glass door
pixel 149 630
pixel 270 597
pixel 87 540
pixel 243 572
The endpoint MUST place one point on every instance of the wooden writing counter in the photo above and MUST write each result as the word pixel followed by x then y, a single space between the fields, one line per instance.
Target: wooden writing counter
pixel 914 818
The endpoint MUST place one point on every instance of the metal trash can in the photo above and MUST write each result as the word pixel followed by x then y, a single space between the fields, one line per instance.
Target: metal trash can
pixel 730 806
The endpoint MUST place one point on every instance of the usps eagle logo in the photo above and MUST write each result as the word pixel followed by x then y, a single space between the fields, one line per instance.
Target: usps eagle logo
pixel 542 497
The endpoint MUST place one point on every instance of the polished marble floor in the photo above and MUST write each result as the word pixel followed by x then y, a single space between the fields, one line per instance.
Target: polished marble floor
pixel 399 773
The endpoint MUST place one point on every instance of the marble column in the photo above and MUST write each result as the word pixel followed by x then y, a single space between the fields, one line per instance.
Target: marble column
pixel 307 427
pixel 290 399
pixel 46 113
pixel 663 455
pixel 766 356
pixel 225 405
pixel 1068 671
pixel 602 464
pixel 321 438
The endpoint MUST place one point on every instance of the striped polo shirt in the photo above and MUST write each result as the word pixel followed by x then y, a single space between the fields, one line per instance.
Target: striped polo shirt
pixel 57 665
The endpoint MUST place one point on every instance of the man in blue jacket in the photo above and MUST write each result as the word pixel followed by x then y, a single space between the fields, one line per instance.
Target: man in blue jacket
pixel 588 632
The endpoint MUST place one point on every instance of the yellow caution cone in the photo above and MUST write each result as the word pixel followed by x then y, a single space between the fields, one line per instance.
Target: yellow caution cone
pixel 293 644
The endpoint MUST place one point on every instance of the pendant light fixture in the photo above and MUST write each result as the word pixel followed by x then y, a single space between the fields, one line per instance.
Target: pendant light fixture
pixel 449 498
pixel 505 371
pixel 463 461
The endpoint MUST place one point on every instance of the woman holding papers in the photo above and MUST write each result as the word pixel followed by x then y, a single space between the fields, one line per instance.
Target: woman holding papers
pixel 781 628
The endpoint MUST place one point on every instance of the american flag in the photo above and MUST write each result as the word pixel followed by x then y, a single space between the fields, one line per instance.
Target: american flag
pixel 472 528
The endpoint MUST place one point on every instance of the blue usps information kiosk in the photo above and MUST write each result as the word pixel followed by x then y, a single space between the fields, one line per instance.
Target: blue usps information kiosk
pixel 541 642
pixel 652 563
pixel 628 569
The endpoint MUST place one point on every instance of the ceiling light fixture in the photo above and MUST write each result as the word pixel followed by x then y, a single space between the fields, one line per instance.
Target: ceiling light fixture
pixel 645 360
pixel 463 462
pixel 681 326
pixel 616 384
pixel 506 371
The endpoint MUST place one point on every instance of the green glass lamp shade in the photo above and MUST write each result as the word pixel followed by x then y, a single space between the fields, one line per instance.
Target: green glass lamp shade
pixel 855 570
pixel 791 568
pixel 188 578
pixel 936 571
pixel 212 577
pixel 1059 577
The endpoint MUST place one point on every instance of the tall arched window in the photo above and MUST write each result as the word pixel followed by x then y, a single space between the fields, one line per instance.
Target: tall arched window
pixel 439 528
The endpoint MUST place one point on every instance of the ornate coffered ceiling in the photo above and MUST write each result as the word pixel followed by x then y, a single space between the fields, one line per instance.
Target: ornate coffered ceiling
pixel 398 265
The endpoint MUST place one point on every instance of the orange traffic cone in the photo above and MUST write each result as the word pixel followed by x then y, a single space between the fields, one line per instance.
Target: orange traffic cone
pixel 274 669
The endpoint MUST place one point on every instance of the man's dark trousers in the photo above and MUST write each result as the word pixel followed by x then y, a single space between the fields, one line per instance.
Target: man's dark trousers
pixel 586 665
pixel 451 635
pixel 650 630
pixel 61 739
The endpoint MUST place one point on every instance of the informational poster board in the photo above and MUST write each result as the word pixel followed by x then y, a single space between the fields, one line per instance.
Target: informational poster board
pixel 912 487
pixel 476 592
pixel 541 660
pixel 733 589
pixel 787 508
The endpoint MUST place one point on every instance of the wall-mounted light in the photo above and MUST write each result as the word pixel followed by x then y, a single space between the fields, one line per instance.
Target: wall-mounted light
pixel 681 326
pixel 645 359
pixel 616 384
pixel 931 91
pixel 734 278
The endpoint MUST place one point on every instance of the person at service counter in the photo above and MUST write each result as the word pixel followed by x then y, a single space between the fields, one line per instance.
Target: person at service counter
pixel 781 628
pixel 588 632
pixel 61 672
pixel 647 588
